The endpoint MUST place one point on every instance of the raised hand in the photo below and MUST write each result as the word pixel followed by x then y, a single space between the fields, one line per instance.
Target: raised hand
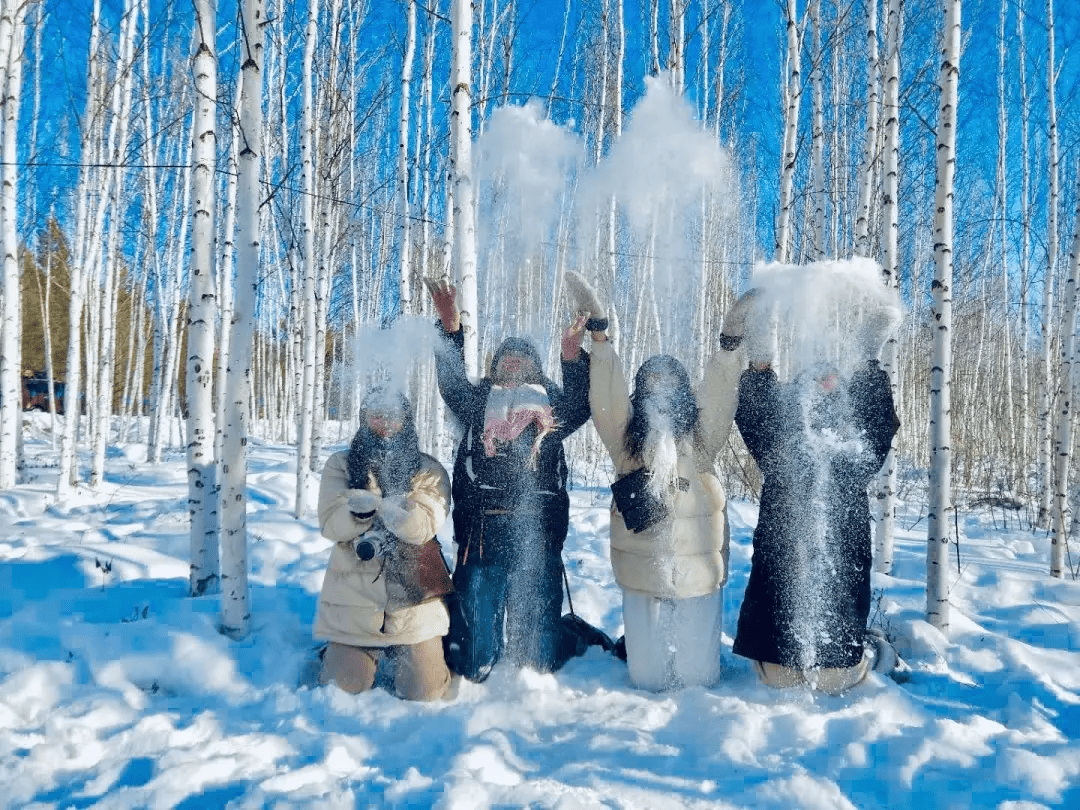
pixel 444 297
pixel 735 318
pixel 571 337
pixel 584 300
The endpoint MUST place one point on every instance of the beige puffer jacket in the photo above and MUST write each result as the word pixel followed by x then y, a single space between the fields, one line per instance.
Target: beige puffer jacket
pixel 353 606
pixel 686 554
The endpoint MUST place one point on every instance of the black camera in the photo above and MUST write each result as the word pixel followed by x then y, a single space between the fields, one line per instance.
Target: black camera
pixel 375 543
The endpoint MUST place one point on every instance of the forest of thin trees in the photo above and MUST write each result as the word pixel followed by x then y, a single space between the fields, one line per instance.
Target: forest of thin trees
pixel 211 212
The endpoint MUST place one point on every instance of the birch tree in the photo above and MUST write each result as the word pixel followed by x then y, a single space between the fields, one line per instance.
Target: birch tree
pixel 940 507
pixel 103 345
pixel 235 611
pixel 85 232
pixel 1046 384
pixel 817 151
pixel 792 99
pixel 307 333
pixel 1001 182
pixel 202 308
pixel 403 229
pixel 1065 411
pixel 462 174
pixel 866 178
pixel 1025 235
pixel 12 35
pixel 885 527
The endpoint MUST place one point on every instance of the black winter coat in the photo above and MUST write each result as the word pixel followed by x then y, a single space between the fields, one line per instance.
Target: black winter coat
pixel 504 481
pixel 808 597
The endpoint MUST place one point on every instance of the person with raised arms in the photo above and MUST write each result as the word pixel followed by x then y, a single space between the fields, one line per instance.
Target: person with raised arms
pixel 511 508
pixel 669 534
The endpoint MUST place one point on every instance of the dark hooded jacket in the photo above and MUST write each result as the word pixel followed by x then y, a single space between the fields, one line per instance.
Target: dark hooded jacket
pixel 808 597
pixel 504 481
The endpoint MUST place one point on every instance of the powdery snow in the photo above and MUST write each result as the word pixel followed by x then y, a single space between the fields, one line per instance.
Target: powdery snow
pixel 117 691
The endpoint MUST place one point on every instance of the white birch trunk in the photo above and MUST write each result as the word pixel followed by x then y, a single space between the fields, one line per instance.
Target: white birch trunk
pixel 1025 246
pixel 940 507
pixel 202 309
pixel 464 207
pixel 677 40
pixel 1046 383
pixel 307 303
pixel 792 99
pixel 235 611
pixel 403 229
pixel 84 232
pixel 1060 528
pixel 226 291
pixel 105 348
pixel 866 178
pixel 817 152
pixel 12 29
pixel 1003 231
pixel 886 525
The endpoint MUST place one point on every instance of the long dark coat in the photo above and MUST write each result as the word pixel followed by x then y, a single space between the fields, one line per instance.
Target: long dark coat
pixel 503 481
pixel 808 597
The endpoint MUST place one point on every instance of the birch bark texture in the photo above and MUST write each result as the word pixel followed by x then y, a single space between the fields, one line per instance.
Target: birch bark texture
pixel 894 19
pixel 84 234
pixel 202 308
pixel 817 151
pixel 866 178
pixel 792 99
pixel 235 609
pixel 306 415
pixel 12 35
pixel 940 508
pixel 1059 537
pixel 462 172
pixel 1046 381
pixel 104 348
pixel 403 227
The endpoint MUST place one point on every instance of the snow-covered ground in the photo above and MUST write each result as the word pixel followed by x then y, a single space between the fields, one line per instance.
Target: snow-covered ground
pixel 116 690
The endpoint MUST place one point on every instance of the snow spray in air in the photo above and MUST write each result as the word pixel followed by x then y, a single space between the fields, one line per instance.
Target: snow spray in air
pixel 386 356
pixel 542 209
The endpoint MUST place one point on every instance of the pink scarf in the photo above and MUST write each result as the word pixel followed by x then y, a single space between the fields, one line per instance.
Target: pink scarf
pixel 509 413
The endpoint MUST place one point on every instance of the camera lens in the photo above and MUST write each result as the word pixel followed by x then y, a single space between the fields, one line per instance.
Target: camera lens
pixel 365 550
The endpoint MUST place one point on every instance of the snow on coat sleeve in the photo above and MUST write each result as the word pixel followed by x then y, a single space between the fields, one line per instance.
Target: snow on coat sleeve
pixel 428 504
pixel 718 398
pixel 461 396
pixel 571 404
pixel 874 412
pixel 609 397
pixel 335 519
pixel 759 415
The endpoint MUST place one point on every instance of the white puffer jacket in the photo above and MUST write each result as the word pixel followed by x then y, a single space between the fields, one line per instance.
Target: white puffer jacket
pixel 684 555
pixel 353 606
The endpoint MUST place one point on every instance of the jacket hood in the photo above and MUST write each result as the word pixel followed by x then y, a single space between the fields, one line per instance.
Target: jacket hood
pixel 520 346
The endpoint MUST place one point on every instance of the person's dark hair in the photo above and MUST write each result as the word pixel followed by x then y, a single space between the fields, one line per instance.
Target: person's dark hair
pixel 524 348
pixel 662 381
pixel 393 460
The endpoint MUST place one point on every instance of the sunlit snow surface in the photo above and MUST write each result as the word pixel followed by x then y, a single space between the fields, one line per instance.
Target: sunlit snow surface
pixel 117 691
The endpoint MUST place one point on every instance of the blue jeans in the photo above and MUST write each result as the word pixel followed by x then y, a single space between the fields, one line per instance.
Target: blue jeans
pixel 507 601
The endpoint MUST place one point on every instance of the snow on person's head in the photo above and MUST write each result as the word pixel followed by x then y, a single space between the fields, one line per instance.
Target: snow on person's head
pixel 663 411
pixel 516 361
pixel 838 313
pixel 385 445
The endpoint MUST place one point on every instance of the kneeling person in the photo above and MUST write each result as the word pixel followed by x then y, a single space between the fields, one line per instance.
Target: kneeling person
pixel 382 502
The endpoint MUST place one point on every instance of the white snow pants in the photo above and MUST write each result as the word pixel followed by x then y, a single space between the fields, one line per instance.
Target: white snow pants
pixel 672 643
